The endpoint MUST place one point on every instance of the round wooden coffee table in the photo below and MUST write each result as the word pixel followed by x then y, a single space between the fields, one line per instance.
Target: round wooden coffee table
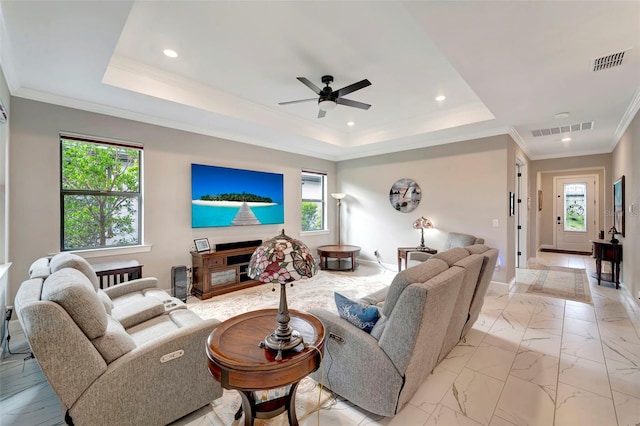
pixel 339 252
pixel 238 362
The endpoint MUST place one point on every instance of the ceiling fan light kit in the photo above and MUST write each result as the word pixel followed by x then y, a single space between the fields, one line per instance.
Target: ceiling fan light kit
pixel 328 99
pixel 327 105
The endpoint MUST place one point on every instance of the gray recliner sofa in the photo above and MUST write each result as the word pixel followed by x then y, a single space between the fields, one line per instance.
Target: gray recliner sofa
pixel 131 302
pixel 425 311
pixel 150 373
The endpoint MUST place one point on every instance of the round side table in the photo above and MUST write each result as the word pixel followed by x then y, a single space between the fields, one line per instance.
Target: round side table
pixel 338 251
pixel 238 362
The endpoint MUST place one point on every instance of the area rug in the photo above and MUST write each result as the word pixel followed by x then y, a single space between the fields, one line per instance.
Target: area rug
pixel 556 281
pixel 315 292
pixel 309 399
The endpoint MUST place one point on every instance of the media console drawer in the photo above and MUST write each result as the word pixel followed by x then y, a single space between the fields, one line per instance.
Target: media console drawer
pixel 221 271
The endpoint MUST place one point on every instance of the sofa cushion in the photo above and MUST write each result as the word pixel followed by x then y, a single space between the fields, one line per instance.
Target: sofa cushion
pixel 135 308
pixel 114 343
pixel 376 331
pixel 106 301
pixel 40 268
pixel 452 256
pixel 362 316
pixel 455 239
pixel 70 260
pixel 72 290
pixel 416 274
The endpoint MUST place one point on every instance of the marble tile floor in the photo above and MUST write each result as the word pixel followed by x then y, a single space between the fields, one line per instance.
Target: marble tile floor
pixel 529 360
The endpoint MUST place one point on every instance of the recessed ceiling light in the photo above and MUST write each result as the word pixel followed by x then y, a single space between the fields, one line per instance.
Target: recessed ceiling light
pixel 440 98
pixel 170 53
pixel 561 115
pixel 567 139
pixel 350 123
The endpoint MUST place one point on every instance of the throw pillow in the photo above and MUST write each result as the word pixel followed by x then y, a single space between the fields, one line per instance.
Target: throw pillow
pixel 362 316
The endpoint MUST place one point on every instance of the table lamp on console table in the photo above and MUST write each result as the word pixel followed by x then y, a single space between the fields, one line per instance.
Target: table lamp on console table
pixel 282 260
pixel 613 231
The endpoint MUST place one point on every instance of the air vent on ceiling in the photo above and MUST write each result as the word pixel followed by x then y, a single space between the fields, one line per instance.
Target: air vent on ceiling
pixel 608 61
pixel 587 125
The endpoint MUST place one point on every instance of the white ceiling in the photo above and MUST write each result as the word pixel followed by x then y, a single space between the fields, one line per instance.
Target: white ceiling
pixel 505 67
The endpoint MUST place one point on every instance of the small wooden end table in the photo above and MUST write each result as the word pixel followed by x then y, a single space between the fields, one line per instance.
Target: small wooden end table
pixel 338 251
pixel 238 362
pixel 607 251
pixel 112 273
pixel 403 251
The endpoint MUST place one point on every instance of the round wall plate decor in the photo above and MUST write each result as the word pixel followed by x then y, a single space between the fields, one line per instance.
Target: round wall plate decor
pixel 405 195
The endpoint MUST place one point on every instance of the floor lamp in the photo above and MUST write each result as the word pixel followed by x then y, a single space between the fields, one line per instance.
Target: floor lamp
pixel 338 196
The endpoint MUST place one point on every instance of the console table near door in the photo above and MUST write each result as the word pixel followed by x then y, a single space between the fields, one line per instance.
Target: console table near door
pixel 607 251
pixel 238 362
pixel 339 252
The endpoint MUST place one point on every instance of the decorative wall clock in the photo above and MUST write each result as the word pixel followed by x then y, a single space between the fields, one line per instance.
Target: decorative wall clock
pixel 405 195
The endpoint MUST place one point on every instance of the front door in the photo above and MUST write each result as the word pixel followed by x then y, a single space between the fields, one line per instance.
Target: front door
pixel 575 212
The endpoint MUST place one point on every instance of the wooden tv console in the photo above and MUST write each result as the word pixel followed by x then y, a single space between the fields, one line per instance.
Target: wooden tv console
pixel 221 271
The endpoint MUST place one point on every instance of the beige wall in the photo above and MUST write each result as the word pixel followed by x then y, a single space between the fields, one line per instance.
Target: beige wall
pixel 542 170
pixel 168 154
pixel 625 161
pixel 464 187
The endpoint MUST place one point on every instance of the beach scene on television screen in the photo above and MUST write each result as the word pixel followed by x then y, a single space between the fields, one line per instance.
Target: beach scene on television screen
pixel 222 196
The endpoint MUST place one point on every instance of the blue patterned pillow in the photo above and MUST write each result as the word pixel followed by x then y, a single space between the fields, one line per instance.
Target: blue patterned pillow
pixel 362 316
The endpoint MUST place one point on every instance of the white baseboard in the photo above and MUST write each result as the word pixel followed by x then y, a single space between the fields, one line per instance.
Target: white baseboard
pixel 387 266
pixel 546 246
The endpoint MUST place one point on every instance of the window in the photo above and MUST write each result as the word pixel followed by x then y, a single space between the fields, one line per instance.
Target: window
pixel 100 194
pixel 313 201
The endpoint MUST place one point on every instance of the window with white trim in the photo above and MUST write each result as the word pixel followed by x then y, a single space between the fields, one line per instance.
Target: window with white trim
pixel 100 194
pixel 314 194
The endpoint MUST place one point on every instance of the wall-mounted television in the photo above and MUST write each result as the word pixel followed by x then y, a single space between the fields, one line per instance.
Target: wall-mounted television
pixel 222 196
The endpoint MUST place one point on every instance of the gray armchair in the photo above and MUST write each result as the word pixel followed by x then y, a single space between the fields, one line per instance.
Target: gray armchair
pixel 451 240
pixel 382 375
pixel 105 374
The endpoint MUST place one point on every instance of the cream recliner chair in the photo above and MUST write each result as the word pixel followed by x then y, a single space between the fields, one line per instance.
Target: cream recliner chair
pixel 104 373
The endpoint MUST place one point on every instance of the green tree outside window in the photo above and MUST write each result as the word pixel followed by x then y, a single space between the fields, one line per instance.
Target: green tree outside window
pixel 100 195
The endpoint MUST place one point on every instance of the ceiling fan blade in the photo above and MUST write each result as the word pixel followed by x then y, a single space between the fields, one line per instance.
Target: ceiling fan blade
pixel 321 113
pixel 309 84
pixel 352 88
pixel 355 104
pixel 298 101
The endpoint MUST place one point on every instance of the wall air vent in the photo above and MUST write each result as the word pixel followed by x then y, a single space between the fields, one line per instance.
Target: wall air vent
pixel 608 61
pixel 587 125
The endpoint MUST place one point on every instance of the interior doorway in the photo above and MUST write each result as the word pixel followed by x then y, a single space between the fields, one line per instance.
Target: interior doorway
pixel 575 212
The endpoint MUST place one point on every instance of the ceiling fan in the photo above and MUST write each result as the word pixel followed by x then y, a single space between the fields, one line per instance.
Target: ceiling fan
pixel 330 98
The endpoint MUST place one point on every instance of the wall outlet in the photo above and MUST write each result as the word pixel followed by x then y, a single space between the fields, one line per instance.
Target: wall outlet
pixel 495 223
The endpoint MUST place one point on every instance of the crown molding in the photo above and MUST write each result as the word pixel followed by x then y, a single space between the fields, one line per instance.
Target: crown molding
pixel 627 118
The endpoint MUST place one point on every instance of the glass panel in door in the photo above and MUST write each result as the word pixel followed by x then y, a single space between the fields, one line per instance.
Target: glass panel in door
pixel 575 212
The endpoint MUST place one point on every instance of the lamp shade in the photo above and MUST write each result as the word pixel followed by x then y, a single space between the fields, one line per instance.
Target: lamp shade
pixel 338 195
pixel 280 260
pixel 422 223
